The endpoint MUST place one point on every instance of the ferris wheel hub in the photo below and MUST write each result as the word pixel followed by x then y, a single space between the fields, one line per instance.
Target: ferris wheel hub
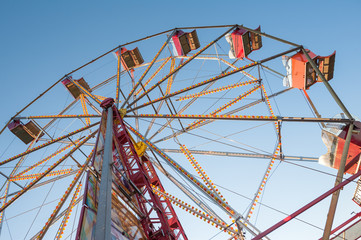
pixel 108 102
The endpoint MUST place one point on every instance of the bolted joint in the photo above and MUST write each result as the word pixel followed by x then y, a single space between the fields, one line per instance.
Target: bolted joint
pixel 107 103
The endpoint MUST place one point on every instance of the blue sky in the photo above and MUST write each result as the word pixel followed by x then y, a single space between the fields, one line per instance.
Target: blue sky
pixel 40 41
pixel 47 34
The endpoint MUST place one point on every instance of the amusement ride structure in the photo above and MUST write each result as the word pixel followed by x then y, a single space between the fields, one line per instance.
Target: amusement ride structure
pixel 125 145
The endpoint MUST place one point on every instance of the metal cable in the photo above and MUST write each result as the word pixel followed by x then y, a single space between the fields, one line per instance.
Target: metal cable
pixel 227 144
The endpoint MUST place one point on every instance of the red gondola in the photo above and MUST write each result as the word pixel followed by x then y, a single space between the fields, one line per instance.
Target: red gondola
pixel 183 42
pixel 300 73
pixel 243 42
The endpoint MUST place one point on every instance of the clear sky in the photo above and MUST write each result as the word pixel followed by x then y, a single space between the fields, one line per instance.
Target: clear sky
pixel 40 41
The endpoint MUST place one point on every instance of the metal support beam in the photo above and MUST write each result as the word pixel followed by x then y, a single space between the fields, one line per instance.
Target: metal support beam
pixel 335 195
pixel 118 79
pixel 357 215
pixel 244 155
pixel 192 196
pixel 242 118
pixel 59 116
pixel 103 221
pixel 307 206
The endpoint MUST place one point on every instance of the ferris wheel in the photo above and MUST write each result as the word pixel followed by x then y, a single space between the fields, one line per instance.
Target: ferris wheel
pixel 157 136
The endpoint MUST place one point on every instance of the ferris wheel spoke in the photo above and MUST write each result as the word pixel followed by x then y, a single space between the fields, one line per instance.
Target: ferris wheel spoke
pixel 201 173
pixel 263 181
pixel 119 65
pixel 216 222
pixel 9 179
pixel 18 164
pixel 254 150
pixel 60 116
pixel 182 65
pixel 110 79
pixel 216 78
pixel 131 75
pixel 31 184
pixel 243 72
pixel 170 106
pixel 192 196
pixel 147 70
pixel 4 199
pixel 153 120
pixel 85 109
pixel 169 85
pixel 186 106
pixel 45 159
pixel 92 105
pixel 216 90
pixel 68 211
pixel 168 89
pixel 54 179
pixel 195 124
pixel 43 183
pixel 154 74
pixel 171 79
pixel 65 141
pixel 240 117
pixel 180 111
pixel 36 175
pixel 277 124
pixel 225 106
pixel 61 113
pixel 86 100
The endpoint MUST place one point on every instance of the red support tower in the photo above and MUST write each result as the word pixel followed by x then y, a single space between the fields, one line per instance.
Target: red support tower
pixel 160 220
